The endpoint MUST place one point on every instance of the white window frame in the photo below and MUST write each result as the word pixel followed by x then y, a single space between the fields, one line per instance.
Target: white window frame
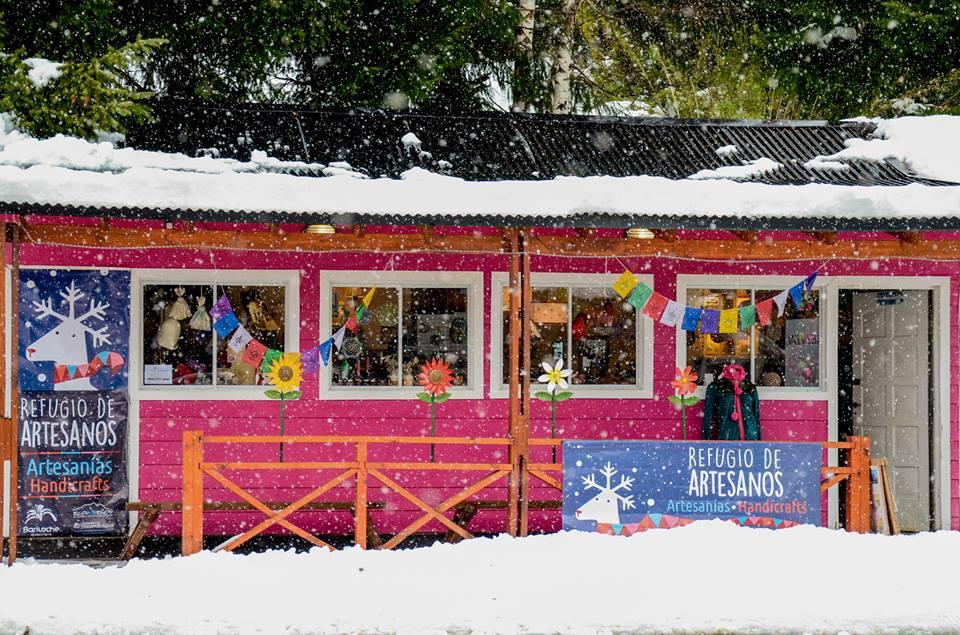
pixel 471 280
pixel 767 283
pixel 643 389
pixel 290 279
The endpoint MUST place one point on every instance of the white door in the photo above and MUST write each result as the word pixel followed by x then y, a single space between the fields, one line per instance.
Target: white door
pixel 891 360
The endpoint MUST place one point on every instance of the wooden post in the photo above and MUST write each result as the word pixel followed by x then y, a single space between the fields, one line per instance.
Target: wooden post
pixel 6 450
pixel 192 521
pixel 526 294
pixel 513 497
pixel 858 486
pixel 14 441
pixel 360 512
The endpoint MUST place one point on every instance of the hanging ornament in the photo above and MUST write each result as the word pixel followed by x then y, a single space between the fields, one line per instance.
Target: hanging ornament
pixel 180 309
pixel 169 333
pixel 201 319
pixel 579 327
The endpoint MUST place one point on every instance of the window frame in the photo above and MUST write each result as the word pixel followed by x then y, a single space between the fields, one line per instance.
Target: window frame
pixel 642 389
pixel 287 278
pixel 471 280
pixel 759 283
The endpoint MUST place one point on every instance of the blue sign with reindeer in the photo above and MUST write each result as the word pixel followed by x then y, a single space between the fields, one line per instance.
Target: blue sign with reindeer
pixel 624 487
pixel 74 330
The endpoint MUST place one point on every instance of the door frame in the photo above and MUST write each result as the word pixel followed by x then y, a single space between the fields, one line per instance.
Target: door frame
pixel 939 391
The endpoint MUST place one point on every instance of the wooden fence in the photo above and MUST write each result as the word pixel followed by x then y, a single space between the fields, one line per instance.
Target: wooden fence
pixel 855 471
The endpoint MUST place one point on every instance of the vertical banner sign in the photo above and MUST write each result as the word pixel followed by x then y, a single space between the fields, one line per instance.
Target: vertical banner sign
pixel 74 346
pixel 622 487
pixel 73 471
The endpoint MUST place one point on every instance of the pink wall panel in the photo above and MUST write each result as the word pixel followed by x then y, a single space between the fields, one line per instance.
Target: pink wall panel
pixel 163 422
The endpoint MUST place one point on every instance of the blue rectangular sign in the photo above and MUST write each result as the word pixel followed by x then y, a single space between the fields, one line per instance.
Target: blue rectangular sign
pixel 621 487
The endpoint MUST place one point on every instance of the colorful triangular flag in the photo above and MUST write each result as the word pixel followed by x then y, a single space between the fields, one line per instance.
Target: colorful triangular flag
pixel 710 321
pixel 625 284
pixel 325 349
pixel 748 316
pixel 338 336
pixel 671 314
pixel 221 308
pixel 691 318
pixel 796 294
pixel 765 312
pixel 812 278
pixel 639 296
pixel 310 360
pixel 728 321
pixel 781 301
pixel 655 306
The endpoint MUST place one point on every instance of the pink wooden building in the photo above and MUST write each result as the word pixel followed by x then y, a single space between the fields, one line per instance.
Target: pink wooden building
pixel 711 214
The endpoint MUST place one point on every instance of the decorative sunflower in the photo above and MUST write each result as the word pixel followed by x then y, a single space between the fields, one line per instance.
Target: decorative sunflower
pixel 286 373
pixel 435 377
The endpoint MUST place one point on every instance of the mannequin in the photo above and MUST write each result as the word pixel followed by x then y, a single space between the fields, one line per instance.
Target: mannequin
pixel 731 410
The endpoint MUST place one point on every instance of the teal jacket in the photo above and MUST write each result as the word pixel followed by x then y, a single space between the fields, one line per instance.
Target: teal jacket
pixel 719 405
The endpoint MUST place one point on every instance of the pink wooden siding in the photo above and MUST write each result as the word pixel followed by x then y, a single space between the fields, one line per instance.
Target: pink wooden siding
pixel 162 422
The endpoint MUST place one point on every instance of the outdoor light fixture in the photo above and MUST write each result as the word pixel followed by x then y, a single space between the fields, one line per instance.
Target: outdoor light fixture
pixel 320 229
pixel 639 233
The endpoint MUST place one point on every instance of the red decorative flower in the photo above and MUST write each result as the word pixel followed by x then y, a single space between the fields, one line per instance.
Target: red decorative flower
pixel 685 382
pixel 435 377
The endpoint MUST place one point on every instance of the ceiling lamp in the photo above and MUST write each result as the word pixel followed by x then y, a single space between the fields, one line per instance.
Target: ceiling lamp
pixel 639 233
pixel 320 229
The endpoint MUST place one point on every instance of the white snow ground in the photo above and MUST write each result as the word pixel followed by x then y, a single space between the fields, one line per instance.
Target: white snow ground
pixel 707 577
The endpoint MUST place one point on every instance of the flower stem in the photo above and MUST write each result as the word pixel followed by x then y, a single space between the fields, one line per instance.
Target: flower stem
pixel 281 425
pixel 433 423
pixel 683 417
pixel 553 424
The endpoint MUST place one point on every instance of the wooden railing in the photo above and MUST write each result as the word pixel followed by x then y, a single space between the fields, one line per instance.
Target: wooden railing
pixel 855 471
pixel 362 470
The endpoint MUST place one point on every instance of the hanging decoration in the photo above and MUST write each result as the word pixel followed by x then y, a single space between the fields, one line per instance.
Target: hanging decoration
pixel 201 319
pixel 737 320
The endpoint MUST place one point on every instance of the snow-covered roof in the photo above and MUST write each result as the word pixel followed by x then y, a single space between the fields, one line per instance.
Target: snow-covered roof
pixel 903 161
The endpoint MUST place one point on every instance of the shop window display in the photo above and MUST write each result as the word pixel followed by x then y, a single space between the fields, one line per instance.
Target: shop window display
pixel 403 328
pixel 784 353
pixel 181 349
pixel 590 328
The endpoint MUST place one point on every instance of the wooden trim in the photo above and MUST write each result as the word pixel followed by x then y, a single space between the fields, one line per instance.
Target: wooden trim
pixel 513 351
pixel 745 235
pixel 664 244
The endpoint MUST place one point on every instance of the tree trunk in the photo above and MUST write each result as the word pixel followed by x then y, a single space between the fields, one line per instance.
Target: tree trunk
pixel 562 59
pixel 521 66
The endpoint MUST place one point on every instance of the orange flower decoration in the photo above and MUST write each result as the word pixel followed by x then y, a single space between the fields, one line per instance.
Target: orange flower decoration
pixel 686 381
pixel 435 377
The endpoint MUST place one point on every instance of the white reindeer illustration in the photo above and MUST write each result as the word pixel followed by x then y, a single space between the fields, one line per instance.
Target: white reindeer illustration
pixel 66 343
pixel 605 506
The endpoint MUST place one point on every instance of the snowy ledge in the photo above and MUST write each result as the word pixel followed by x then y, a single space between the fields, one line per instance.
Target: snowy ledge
pixel 71 172
pixel 707 577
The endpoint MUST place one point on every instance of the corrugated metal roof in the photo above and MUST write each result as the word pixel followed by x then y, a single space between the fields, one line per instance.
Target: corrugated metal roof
pixel 509 146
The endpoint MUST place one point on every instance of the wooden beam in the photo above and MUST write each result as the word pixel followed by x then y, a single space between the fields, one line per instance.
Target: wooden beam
pixel 911 238
pixel 829 238
pixel 666 235
pixel 746 236
pixel 727 250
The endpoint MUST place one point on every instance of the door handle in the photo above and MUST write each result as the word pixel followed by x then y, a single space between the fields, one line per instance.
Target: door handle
pixel 856 382
pixel 856 404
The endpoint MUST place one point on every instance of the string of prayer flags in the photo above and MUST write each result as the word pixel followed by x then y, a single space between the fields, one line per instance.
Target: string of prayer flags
pixel 269 357
pixel 655 306
pixel 765 312
pixel 728 321
pixel 310 360
pixel 639 296
pixel 625 284
pixel 254 353
pixel 240 339
pixel 710 321
pixel 748 316
pixel 796 293
pixel 221 308
pixel 226 324
pixel 671 314
pixel 324 349
pixel 691 318
pixel 781 301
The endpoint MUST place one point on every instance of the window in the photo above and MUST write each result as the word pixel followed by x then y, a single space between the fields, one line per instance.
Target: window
pixel 412 318
pixel 180 352
pixel 783 354
pixel 580 319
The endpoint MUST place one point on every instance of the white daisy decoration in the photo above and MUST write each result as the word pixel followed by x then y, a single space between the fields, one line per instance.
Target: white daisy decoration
pixel 555 375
